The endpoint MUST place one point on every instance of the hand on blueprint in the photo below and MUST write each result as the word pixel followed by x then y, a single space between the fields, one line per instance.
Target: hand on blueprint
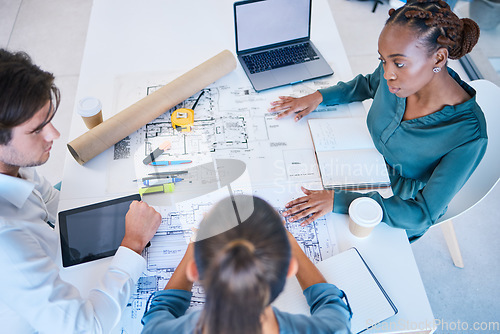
pixel 315 204
pixel 183 277
pixel 141 223
pixel 306 272
pixel 301 106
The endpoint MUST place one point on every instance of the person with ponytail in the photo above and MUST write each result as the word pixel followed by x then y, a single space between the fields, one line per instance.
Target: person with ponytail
pixel 242 256
pixel 423 119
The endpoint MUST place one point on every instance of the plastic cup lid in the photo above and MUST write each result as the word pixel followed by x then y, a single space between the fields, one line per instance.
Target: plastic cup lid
pixel 89 106
pixel 365 211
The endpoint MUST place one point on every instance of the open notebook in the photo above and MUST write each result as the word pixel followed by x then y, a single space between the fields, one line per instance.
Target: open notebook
pixel 348 271
pixel 346 156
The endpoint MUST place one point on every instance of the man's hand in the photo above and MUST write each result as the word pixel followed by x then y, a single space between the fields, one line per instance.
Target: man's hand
pixel 141 223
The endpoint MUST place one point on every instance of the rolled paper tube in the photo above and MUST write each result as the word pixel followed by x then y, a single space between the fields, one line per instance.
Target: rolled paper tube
pixel 131 119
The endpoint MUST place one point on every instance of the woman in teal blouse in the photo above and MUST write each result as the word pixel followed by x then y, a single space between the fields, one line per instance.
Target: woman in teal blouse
pixel 242 257
pixel 424 119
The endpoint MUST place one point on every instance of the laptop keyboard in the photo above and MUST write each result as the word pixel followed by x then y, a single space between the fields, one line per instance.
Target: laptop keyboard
pixel 285 56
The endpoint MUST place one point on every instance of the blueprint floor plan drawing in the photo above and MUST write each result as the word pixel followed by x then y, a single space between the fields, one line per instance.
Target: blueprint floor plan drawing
pixel 169 244
pixel 232 124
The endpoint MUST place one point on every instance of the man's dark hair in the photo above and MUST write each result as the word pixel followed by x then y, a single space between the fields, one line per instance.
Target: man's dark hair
pixel 24 90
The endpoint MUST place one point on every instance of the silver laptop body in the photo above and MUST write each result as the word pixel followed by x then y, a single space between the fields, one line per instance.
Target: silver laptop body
pixel 267 32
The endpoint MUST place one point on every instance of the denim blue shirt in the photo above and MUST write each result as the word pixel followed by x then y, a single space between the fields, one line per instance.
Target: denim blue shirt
pixel 428 158
pixel 329 314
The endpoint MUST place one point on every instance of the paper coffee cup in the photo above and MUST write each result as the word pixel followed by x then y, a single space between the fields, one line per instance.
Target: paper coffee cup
pixel 364 214
pixel 91 111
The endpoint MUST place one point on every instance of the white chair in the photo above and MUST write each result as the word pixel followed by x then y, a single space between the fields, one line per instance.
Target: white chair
pixel 486 176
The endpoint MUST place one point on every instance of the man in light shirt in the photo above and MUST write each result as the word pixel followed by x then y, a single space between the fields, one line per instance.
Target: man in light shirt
pixel 33 298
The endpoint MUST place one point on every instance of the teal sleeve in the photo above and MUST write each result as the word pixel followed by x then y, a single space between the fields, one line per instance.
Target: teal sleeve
pixel 166 305
pixel 358 89
pixel 329 313
pixel 417 214
pixel 324 296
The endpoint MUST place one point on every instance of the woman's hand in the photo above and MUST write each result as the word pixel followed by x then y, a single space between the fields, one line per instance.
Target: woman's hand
pixel 301 106
pixel 316 203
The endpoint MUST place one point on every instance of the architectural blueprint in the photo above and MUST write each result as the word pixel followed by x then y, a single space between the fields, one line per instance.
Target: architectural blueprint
pixel 230 122
pixel 169 244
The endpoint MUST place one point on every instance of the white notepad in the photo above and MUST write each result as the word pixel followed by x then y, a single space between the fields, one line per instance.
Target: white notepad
pixel 369 302
pixel 346 155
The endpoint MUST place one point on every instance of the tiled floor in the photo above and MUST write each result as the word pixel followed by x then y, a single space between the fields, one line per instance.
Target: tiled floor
pixel 53 33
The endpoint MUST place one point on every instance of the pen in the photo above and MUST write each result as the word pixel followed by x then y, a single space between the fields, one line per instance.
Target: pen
pixel 169 163
pixel 155 182
pixel 165 188
pixel 157 177
pixel 157 152
pixel 169 173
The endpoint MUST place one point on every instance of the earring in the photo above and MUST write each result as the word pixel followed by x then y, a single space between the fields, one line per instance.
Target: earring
pixel 436 69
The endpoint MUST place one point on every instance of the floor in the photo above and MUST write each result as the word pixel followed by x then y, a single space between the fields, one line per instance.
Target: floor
pixel 487 51
pixel 53 33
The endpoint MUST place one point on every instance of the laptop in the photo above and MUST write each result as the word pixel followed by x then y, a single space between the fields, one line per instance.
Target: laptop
pixel 273 42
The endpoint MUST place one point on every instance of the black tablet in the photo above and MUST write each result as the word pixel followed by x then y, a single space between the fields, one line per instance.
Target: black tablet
pixel 93 231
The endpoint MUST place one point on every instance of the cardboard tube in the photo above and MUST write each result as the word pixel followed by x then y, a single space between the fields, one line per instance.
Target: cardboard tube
pixel 131 119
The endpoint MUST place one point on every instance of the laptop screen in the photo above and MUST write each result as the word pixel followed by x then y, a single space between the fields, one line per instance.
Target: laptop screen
pixel 267 22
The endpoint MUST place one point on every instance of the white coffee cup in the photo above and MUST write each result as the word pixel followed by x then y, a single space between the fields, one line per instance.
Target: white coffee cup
pixel 91 111
pixel 364 214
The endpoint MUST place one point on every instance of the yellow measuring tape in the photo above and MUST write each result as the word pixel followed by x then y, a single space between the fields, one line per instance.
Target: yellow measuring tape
pixel 184 117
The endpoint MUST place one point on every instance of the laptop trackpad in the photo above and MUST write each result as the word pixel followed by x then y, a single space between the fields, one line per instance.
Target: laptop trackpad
pixel 291 74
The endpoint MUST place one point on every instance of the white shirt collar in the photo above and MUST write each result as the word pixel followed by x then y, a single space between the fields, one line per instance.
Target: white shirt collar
pixel 15 189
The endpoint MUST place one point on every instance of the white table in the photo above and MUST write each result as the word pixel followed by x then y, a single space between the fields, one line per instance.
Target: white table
pixel 128 36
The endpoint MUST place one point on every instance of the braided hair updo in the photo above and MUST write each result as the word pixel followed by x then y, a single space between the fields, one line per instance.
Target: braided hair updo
pixel 437 26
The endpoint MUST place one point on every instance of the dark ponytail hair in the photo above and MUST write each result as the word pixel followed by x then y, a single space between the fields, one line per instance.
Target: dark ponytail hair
pixel 437 26
pixel 242 264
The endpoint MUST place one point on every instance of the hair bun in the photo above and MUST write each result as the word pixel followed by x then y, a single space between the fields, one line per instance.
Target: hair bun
pixel 470 34
pixel 469 38
pixel 240 243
